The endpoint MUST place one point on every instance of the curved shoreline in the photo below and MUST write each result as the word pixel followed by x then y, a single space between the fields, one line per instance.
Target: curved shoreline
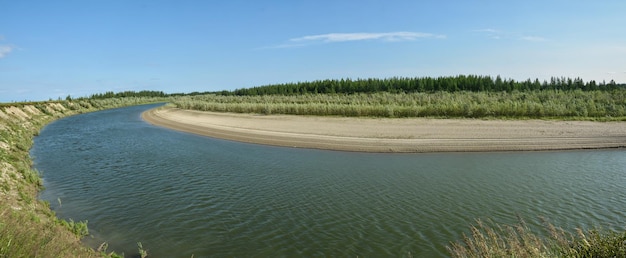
pixel 408 135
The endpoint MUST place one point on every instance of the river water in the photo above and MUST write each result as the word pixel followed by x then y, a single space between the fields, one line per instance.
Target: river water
pixel 180 194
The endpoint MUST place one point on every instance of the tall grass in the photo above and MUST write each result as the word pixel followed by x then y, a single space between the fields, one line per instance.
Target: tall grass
pixel 22 235
pixel 577 104
pixel 495 240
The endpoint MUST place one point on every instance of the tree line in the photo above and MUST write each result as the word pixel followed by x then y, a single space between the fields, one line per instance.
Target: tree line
pixel 126 94
pixel 473 83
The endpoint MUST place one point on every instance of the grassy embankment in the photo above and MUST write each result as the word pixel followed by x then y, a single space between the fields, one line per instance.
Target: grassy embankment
pixel 544 104
pixel 28 228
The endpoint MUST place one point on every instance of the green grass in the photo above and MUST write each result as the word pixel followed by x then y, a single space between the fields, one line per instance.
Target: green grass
pixel 546 104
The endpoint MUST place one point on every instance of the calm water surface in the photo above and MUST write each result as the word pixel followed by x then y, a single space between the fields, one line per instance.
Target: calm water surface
pixel 181 194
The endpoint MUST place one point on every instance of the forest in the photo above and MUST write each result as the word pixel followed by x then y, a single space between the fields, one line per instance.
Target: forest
pixel 126 94
pixel 473 83
pixel 470 83
pixel 460 96
pixel 470 96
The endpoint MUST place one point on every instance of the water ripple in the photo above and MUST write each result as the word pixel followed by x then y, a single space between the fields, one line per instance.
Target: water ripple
pixel 181 194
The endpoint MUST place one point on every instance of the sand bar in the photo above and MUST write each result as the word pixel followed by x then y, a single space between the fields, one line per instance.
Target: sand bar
pixel 393 134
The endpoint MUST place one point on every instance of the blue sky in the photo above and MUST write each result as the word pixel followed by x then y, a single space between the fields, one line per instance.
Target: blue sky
pixel 51 49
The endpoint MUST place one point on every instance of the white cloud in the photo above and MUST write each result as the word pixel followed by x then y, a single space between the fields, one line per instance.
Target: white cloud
pixel 5 50
pixel 344 37
pixel 387 36
pixel 492 33
pixel 534 38
pixel 283 46
pixel 488 30
pixel 498 34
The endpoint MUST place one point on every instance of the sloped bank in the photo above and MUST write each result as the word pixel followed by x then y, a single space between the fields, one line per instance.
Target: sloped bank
pixel 28 227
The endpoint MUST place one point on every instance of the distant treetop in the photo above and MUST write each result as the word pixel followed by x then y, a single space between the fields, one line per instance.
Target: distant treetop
pixel 144 93
pixel 473 83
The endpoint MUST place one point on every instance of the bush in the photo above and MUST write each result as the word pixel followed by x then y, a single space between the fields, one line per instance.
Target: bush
pixel 577 104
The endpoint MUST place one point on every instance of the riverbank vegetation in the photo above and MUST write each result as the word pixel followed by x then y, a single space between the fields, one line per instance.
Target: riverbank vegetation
pixel 28 228
pixel 493 240
pixel 564 104
pixel 457 96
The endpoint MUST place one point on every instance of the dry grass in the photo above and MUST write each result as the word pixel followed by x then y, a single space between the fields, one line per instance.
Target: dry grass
pixel 23 234
pixel 495 240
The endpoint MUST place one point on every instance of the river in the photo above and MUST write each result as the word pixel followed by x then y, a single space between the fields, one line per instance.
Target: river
pixel 181 194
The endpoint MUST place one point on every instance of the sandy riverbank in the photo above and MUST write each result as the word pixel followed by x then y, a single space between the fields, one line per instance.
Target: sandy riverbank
pixel 394 135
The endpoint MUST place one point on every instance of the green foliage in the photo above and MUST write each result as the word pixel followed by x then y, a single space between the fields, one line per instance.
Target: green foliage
pixel 473 83
pixel 596 244
pixel 79 229
pixel 143 253
pixel 126 94
pixel 576 104
pixel 25 197
pixel 103 250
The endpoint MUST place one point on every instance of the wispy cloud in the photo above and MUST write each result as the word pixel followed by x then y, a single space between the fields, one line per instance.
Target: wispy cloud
pixel 492 33
pixel 345 37
pixel 387 36
pixel 487 30
pixel 5 50
pixel 498 34
pixel 614 72
pixel 286 45
pixel 534 38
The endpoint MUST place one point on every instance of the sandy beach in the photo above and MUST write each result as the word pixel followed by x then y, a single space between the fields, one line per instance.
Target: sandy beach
pixel 394 134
